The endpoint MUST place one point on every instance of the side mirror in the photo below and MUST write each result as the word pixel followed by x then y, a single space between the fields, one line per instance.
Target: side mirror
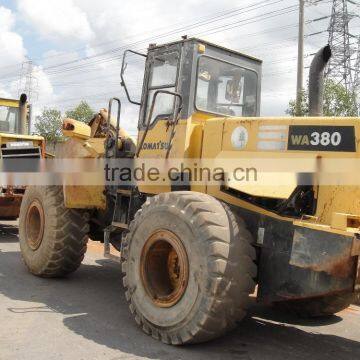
pixel 131 68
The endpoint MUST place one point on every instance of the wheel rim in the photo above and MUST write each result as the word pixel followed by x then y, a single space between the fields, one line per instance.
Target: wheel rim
pixel 35 225
pixel 164 268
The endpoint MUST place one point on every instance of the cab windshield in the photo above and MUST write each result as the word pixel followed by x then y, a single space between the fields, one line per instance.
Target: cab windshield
pixel 225 88
pixel 9 119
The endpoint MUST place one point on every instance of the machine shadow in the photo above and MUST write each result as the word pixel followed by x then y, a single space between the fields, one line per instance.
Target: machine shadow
pixel 93 303
pixel 280 314
pixel 9 232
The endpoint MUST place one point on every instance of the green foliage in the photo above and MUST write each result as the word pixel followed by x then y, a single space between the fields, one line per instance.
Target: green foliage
pixel 81 112
pixel 304 107
pixel 337 102
pixel 49 125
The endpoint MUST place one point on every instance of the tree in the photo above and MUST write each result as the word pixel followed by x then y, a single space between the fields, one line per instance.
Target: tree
pixel 304 105
pixel 337 101
pixel 49 125
pixel 82 112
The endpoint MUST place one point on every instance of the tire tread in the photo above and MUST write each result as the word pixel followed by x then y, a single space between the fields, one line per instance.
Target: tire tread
pixel 231 264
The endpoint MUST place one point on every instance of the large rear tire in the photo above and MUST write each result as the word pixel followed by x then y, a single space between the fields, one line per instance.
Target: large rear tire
pixel 321 306
pixel 53 238
pixel 188 267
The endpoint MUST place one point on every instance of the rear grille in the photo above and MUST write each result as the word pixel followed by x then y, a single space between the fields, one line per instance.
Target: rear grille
pixel 23 152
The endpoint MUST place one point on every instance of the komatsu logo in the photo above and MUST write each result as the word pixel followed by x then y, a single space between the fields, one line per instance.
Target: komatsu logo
pixel 322 138
pixel 160 145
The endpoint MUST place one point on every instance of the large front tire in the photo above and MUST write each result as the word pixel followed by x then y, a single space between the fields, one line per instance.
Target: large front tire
pixel 53 238
pixel 188 267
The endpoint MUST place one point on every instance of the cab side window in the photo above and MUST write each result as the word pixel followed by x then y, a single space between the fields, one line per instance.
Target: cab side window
pixel 163 76
pixel 9 119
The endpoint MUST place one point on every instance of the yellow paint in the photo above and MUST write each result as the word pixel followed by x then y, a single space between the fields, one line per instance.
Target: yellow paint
pixel 95 146
pixel 203 136
pixel 337 199
pixel 331 199
pixel 187 144
pixel 201 48
pixel 78 129
pixel 84 197
pixel 344 221
pixel 211 138
pixel 36 140
pixel 9 102
pixel 5 137
pixel 323 227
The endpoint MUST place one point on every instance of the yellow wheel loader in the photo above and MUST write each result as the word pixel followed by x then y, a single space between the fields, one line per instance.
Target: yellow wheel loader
pixel 193 251
pixel 16 146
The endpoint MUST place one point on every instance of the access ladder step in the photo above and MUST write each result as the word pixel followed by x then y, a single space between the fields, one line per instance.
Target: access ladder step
pixel 125 192
pixel 120 225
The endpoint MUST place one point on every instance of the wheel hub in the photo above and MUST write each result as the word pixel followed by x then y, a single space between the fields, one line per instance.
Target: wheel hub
pixel 164 268
pixel 34 225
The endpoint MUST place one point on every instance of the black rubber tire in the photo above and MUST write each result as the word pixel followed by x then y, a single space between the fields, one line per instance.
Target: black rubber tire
pixel 222 268
pixel 64 239
pixel 321 306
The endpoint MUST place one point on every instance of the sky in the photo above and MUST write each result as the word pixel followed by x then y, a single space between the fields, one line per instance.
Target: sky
pixel 76 46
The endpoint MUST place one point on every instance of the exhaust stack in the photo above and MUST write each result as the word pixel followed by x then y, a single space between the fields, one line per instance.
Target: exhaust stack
pixel 316 81
pixel 23 110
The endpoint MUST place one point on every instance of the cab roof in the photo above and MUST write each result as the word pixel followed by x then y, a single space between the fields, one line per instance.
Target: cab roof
pixel 9 102
pixel 200 41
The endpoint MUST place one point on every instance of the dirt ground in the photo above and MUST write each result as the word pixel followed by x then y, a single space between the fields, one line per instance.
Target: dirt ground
pixel 85 316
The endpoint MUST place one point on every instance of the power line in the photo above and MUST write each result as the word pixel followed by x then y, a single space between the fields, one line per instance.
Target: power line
pixel 357 75
pixel 113 55
pixel 209 32
pixel 340 64
pixel 223 16
pixel 27 81
pixel 209 20
pixel 56 69
pixel 183 26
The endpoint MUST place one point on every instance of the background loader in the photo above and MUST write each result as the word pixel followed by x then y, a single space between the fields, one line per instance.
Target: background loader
pixel 192 252
pixel 16 143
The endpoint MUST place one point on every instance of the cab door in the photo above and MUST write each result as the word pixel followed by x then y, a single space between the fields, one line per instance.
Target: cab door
pixel 159 101
pixel 161 132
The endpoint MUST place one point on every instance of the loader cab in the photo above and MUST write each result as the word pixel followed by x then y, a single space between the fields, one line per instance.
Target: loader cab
pixel 210 80
pixel 15 116
pixel 185 84
pixel 9 116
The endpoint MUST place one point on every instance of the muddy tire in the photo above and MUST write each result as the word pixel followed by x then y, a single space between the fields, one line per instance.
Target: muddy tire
pixel 321 306
pixel 188 267
pixel 53 238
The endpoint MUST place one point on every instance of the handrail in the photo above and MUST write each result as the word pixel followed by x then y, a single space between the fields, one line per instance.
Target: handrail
pixel 117 129
pixel 123 68
pixel 174 121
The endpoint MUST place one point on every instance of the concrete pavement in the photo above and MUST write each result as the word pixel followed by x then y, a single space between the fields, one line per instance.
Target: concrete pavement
pixel 85 316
